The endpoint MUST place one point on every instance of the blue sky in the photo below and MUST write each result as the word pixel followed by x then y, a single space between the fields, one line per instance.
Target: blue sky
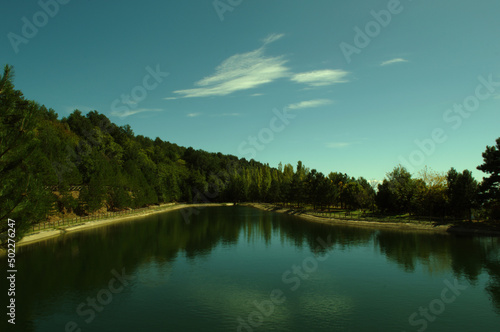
pixel 356 87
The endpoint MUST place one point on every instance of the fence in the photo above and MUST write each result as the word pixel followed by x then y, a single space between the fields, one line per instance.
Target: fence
pixel 93 217
pixel 369 216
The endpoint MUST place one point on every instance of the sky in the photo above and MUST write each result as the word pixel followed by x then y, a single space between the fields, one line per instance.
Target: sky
pixel 356 87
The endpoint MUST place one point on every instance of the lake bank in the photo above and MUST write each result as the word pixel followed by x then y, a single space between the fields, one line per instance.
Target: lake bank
pixel 466 229
pixel 45 235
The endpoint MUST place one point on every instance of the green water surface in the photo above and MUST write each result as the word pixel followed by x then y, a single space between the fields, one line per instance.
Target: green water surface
pixel 242 269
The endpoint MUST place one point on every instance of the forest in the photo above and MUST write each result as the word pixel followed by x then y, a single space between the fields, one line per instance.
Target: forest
pixel 85 163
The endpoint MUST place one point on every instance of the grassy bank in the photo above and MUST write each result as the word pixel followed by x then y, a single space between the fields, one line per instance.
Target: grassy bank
pixel 361 219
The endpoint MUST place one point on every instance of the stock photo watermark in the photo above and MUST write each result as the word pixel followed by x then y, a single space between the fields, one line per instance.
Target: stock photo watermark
pixel 428 314
pixel 30 27
pixel 293 278
pixel 223 6
pixel 248 148
pixel 372 29
pixel 277 124
pixel 212 192
pixel 127 104
pixel 11 270
pixel 89 309
pixel 454 117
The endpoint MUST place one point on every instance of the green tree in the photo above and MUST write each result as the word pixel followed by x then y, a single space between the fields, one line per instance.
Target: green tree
pixel 489 191
pixel 385 197
pixel 403 187
pixel 367 195
pixel 23 168
pixel 286 183
pixel 352 195
pixel 97 173
pixel 337 186
pixel 429 197
pixel 317 188
pixel 297 186
pixel 275 194
pixel 462 193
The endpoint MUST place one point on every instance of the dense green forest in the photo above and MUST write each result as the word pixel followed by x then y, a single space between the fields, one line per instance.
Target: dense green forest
pixel 81 164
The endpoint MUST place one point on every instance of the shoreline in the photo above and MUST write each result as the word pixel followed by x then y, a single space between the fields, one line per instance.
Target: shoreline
pixel 448 228
pixel 52 233
pixel 405 226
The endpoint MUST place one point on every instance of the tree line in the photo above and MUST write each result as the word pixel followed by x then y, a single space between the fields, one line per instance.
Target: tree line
pixel 42 158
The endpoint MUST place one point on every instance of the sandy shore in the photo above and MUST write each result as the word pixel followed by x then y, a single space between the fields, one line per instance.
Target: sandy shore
pixel 377 224
pixel 44 235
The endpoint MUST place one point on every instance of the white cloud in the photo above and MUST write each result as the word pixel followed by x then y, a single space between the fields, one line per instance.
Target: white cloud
pixel 321 77
pixel 392 61
pixel 337 145
pixel 240 72
pixel 227 114
pixel 310 104
pixel 252 69
pixel 272 38
pixel 193 115
pixel 132 112
pixel 257 95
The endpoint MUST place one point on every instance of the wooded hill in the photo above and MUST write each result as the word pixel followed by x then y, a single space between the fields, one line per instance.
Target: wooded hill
pixel 83 163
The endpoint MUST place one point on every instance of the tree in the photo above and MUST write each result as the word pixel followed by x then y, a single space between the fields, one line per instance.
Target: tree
pixel 97 173
pixel 367 195
pixel 332 196
pixel 489 191
pixel 297 186
pixel 317 188
pixel 23 168
pixel 352 195
pixel 430 197
pixel 462 193
pixel 403 187
pixel 385 198
pixel 286 183
pixel 337 182
pixel 274 194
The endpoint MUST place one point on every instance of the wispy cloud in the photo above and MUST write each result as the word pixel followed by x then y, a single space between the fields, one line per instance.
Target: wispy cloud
pixel 337 145
pixel 272 38
pixel 240 72
pixel 252 69
pixel 193 115
pixel 393 61
pixel 497 97
pixel 257 95
pixel 227 114
pixel 321 77
pixel 137 111
pixel 310 104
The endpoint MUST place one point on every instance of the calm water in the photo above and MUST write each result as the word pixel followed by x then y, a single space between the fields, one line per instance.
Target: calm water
pixel 241 269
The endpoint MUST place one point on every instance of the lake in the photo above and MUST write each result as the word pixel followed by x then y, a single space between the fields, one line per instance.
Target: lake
pixel 243 269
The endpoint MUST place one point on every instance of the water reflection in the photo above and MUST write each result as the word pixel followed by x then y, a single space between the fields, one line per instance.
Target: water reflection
pixel 50 271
